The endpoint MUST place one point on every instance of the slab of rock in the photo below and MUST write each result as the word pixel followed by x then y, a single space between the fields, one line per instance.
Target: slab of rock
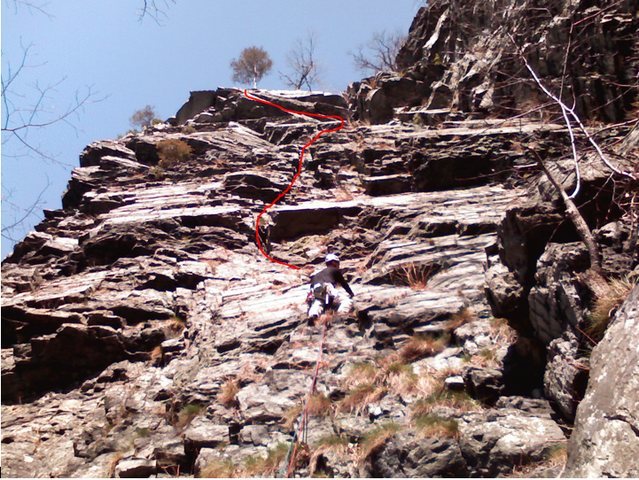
pixel 605 441
pixel 409 455
pixel 132 467
pixel 202 433
pixel 493 442
pixel 566 374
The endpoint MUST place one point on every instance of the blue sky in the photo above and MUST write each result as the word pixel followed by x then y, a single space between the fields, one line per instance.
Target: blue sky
pixel 127 63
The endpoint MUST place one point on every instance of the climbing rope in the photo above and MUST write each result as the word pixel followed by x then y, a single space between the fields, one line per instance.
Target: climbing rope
pixel 302 432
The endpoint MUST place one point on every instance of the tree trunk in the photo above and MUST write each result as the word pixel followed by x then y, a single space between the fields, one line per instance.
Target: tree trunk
pixel 577 220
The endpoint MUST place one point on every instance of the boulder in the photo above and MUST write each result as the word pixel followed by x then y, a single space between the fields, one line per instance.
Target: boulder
pixel 605 441
pixel 495 441
pixel 132 467
pixel 407 454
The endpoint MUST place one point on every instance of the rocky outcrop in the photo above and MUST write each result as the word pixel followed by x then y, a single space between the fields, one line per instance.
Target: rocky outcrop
pixel 144 334
pixel 606 437
pixel 459 59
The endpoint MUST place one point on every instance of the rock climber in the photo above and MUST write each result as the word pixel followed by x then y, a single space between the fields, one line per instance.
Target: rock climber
pixel 323 293
pixel 264 230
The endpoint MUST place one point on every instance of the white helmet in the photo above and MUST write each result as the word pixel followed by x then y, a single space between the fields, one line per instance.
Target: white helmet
pixel 331 257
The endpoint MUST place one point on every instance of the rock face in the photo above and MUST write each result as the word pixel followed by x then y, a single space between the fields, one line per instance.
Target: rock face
pixel 144 334
pixel 460 57
pixel 606 437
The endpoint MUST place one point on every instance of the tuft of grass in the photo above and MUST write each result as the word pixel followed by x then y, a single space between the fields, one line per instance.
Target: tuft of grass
pixel 376 438
pixel 143 432
pixel 156 356
pixel 228 393
pixel 257 465
pixel 413 275
pixel 222 468
pixel 420 346
pixel 361 372
pixel 459 401
pixel 187 414
pixel 319 405
pixel 113 463
pixel 502 331
pixel 290 416
pixel 608 297
pixel 430 425
pixel 555 456
pixel 400 378
pixel 361 396
pixel 172 151
pixel 462 317
pixel 174 327
pixel 337 444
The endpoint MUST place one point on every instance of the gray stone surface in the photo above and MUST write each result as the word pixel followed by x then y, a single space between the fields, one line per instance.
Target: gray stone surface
pixel 606 441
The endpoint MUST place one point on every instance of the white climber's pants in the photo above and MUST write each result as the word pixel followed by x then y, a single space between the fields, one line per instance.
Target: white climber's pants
pixel 341 302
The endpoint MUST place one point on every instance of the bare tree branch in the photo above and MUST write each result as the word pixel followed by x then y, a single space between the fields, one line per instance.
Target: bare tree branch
pixel 32 7
pixel 380 54
pixel 302 63
pixel 25 112
pixel 21 214
pixel 569 111
pixel 155 9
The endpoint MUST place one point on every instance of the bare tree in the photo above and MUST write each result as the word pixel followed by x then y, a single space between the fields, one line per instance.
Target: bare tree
pixel 252 64
pixel 302 64
pixel 380 53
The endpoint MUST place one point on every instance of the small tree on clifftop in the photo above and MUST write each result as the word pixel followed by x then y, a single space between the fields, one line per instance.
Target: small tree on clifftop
pixel 143 117
pixel 252 64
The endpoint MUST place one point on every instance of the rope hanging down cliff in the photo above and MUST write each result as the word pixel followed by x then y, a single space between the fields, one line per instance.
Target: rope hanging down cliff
pixel 299 165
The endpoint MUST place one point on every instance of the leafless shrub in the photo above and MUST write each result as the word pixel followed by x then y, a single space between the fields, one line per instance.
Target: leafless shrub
pixel 380 53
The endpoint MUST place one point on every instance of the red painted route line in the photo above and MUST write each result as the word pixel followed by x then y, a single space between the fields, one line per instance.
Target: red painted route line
pixel 299 166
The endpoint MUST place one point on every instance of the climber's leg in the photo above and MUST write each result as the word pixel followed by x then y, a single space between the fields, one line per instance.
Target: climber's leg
pixel 343 303
pixel 316 309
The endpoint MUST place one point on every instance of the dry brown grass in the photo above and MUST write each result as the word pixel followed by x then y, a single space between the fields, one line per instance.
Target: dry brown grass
pixel 430 425
pixel 156 357
pixel 462 317
pixel 337 444
pixel 319 405
pixel 555 457
pixel 501 331
pixel 187 414
pixel 172 151
pixel 370 381
pixel 174 327
pixel 375 439
pixel 290 417
pixel 459 401
pixel 228 393
pixel 360 372
pixel 360 397
pixel 259 466
pixel 420 346
pixel 413 275
pixel 608 297
pixel 113 464
pixel 221 468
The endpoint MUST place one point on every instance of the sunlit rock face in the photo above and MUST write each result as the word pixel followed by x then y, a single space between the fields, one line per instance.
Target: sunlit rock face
pixel 143 332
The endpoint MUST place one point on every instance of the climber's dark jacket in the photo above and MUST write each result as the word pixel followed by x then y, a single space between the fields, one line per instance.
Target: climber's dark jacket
pixel 331 275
